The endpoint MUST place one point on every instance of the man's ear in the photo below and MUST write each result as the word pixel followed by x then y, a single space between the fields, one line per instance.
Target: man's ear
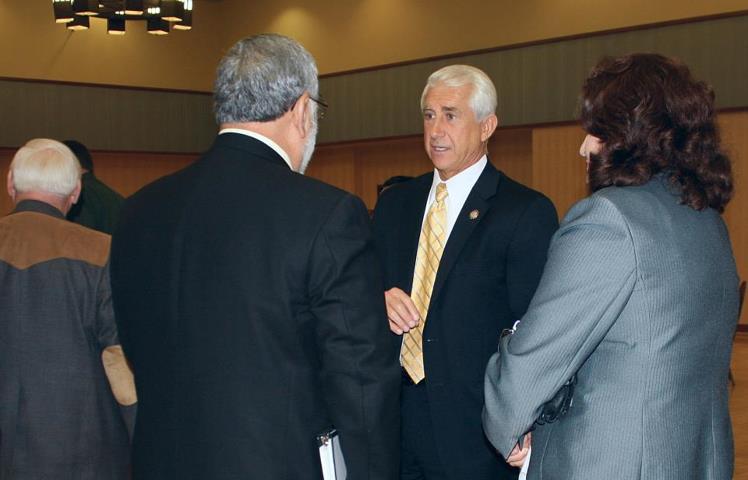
pixel 11 188
pixel 300 115
pixel 76 193
pixel 488 126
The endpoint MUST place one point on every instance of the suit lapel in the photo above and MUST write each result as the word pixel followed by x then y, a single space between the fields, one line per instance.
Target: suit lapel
pixel 478 199
pixel 411 223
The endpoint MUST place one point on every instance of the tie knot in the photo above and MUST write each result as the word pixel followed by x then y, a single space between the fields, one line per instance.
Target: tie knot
pixel 441 192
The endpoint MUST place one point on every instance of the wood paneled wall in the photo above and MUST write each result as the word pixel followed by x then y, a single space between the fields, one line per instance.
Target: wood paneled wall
pixel 734 128
pixel 546 158
pixel 359 167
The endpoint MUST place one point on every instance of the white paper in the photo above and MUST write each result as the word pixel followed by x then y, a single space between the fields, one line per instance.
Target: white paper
pixel 331 458
pixel 525 466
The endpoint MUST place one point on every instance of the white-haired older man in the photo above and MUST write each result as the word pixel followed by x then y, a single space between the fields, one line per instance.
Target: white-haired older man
pixel 249 296
pixel 59 418
pixel 462 249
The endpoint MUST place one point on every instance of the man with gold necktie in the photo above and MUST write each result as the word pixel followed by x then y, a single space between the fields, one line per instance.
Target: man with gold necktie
pixel 462 251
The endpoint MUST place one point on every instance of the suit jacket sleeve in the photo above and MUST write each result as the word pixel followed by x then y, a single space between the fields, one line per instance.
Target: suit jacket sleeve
pixel 360 375
pixel 589 277
pixel 527 253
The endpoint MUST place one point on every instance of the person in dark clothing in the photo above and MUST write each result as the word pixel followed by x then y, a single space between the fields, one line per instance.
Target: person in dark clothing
pixel 63 375
pixel 98 206
pixel 249 299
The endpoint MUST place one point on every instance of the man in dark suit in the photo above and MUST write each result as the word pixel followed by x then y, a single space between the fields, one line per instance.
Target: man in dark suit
pixel 99 205
pixel 462 251
pixel 249 298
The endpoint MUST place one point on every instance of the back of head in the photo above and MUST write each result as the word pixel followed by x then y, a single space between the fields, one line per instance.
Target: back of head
pixel 483 99
pixel 261 78
pixel 82 153
pixel 654 117
pixel 44 165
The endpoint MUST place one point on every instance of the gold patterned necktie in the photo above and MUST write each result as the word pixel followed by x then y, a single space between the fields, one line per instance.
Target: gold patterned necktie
pixel 430 248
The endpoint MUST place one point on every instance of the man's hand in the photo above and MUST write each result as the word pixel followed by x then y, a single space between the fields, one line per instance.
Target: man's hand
pixel 517 457
pixel 401 311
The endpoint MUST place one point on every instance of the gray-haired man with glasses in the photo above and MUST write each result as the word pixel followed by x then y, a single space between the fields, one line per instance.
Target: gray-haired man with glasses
pixel 249 297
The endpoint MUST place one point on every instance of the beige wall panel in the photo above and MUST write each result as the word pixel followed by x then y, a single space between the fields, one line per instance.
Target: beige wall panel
pixel 510 150
pixel 378 161
pixel 345 35
pixel 129 172
pixel 735 139
pixel 334 165
pixel 369 163
pixel 558 170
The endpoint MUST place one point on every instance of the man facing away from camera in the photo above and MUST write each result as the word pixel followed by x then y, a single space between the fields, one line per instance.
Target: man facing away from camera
pixel 249 297
pixel 63 377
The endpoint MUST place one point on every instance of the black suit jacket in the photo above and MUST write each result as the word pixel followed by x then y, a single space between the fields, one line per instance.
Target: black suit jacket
pixel 488 273
pixel 249 302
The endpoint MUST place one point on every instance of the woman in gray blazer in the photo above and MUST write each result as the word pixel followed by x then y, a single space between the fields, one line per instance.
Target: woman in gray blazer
pixel 638 299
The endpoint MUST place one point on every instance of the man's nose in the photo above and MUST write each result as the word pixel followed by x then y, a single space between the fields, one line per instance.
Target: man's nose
pixel 436 129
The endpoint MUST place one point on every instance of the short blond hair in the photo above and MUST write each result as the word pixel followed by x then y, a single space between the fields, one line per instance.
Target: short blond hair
pixel 44 165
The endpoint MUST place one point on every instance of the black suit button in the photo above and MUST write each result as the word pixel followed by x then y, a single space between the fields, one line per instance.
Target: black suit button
pixel 432 340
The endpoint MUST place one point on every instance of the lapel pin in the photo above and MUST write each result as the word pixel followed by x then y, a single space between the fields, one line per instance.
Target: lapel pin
pixel 474 214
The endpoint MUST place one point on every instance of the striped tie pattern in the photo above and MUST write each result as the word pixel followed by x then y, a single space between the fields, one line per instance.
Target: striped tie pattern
pixel 430 248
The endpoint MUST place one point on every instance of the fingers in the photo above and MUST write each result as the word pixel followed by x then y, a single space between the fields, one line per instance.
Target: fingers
pixel 401 311
pixel 517 456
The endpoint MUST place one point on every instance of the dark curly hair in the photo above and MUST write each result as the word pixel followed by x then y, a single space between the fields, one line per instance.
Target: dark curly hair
pixel 654 117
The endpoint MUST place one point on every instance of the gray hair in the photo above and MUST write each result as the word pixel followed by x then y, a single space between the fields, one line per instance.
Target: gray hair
pixel 44 165
pixel 482 98
pixel 261 78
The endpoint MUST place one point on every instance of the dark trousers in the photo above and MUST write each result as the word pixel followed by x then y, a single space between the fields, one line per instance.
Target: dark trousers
pixel 419 458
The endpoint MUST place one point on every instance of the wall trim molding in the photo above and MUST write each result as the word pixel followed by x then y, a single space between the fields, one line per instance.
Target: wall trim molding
pixel 67 83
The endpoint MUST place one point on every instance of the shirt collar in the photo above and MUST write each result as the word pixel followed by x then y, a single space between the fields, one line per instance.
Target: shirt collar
pixel 464 180
pixel 264 140
pixel 38 207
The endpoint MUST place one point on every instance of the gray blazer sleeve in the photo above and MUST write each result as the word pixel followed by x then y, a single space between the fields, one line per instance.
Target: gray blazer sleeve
pixel 589 276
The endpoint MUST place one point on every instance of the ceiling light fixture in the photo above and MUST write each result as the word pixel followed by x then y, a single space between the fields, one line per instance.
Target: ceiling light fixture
pixel 63 11
pixel 161 15
pixel 80 22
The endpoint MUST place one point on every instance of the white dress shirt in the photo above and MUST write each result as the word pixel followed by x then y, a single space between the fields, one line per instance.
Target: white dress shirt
pixel 264 140
pixel 458 189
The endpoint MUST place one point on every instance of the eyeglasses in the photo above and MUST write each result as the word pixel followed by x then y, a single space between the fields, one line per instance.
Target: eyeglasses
pixel 322 106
